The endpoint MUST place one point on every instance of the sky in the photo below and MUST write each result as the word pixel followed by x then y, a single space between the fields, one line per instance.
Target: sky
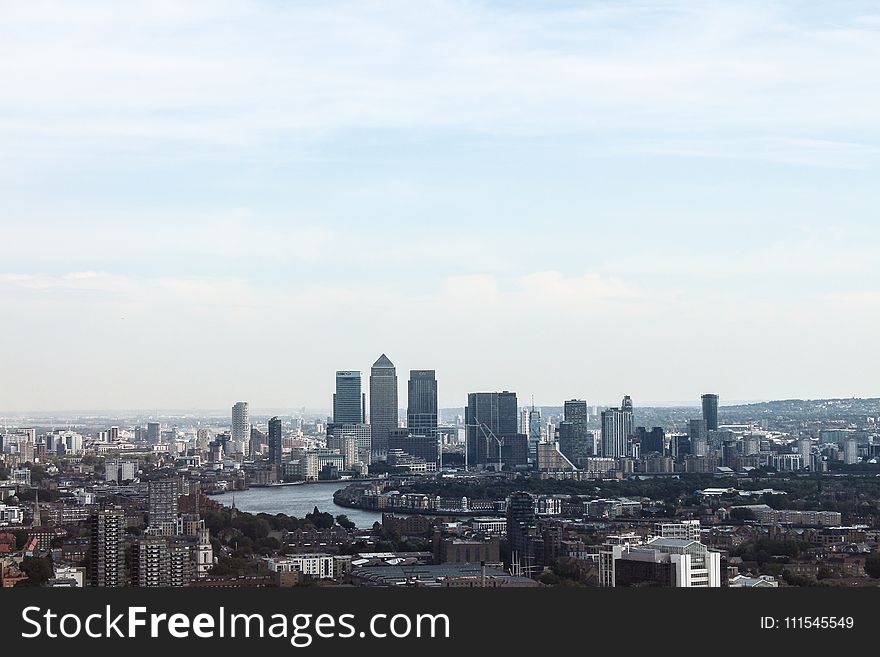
pixel 209 202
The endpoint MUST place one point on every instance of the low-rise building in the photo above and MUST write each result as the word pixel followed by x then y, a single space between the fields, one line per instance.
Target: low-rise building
pixel 317 565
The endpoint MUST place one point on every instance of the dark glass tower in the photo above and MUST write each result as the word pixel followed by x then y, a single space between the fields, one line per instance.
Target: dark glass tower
pixel 421 408
pixel 275 442
pixel 710 411
pixel 495 412
pixel 575 438
pixel 383 402
pixel 348 400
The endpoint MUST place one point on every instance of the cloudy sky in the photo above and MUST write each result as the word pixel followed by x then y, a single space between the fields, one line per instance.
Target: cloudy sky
pixel 206 202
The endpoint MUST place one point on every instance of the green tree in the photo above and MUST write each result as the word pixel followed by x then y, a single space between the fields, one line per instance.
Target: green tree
pixel 343 521
pixel 872 565
pixel 37 569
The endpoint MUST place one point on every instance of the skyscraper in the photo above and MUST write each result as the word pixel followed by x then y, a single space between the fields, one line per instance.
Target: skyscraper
pixel 699 437
pixel 487 413
pixel 576 412
pixel 421 408
pixel 710 411
pixel 275 441
pixel 154 435
pixel 241 427
pixel 617 427
pixel 383 402
pixel 107 565
pixel 576 441
pixel 348 400
pixel 534 429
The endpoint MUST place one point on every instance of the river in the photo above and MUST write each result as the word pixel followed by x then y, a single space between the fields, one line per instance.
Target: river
pixel 298 501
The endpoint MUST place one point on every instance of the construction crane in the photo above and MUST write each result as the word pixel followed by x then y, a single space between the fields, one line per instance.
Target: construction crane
pixel 487 435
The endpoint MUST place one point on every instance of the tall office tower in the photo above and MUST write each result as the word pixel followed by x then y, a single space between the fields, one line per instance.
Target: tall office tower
pixel 164 495
pixel 348 400
pixel 421 403
pixel 617 427
pixel 577 414
pixel 572 445
pixel 487 413
pixel 383 402
pixel 276 444
pixel 113 434
pixel 241 427
pixel 154 435
pixel 651 442
pixel 710 412
pixel 107 543
pixel 699 437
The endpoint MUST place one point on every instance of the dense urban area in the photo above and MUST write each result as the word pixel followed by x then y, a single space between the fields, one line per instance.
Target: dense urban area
pixel 496 493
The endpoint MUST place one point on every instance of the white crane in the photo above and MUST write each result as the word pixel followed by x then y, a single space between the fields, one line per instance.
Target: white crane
pixel 487 435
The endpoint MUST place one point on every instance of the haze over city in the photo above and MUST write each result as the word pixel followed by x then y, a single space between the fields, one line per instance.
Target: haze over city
pixel 202 205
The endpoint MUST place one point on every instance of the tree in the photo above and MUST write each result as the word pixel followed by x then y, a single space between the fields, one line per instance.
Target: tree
pixel 872 565
pixel 742 514
pixel 549 578
pixel 37 569
pixel 320 520
pixel 343 521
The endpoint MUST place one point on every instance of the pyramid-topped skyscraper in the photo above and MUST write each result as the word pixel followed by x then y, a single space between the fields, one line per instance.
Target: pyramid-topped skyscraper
pixel 383 403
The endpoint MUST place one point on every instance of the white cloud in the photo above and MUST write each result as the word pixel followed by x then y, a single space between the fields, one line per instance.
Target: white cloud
pixel 233 73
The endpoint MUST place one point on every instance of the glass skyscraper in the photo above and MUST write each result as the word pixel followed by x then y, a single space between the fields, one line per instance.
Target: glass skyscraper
pixel 496 412
pixel 421 410
pixel 710 411
pixel 275 441
pixel 348 400
pixel 383 402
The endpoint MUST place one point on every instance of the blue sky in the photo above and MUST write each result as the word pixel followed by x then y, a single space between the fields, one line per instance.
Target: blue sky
pixel 201 204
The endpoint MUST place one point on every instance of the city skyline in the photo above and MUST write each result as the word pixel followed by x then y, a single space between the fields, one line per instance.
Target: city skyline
pixel 192 194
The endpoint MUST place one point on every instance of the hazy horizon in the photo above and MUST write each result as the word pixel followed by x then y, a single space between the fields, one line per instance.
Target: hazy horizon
pixel 235 200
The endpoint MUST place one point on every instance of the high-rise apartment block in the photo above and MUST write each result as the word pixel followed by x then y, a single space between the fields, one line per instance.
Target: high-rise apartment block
pixel 617 427
pixel 241 427
pixel 107 543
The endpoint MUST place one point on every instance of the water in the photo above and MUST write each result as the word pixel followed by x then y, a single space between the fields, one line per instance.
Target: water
pixel 297 501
